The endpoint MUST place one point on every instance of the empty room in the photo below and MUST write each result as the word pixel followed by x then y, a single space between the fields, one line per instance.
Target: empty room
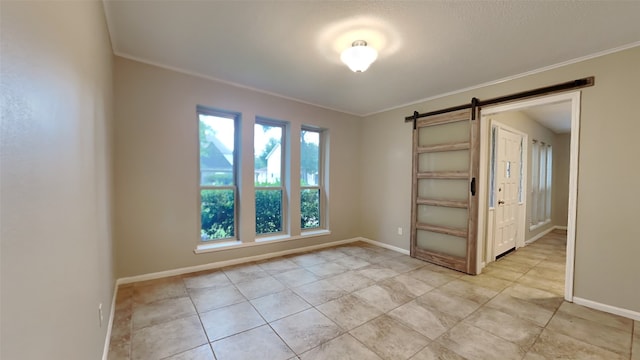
pixel 319 180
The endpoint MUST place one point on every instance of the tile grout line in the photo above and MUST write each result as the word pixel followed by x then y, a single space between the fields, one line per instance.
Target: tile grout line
pixel 463 318
pixel 269 323
pixel 550 318
pixel 552 315
pixel 199 318
pixel 633 330
pixel 290 288
pixel 633 335
pixel 512 283
pixel 371 261
pixel 130 352
pixel 346 332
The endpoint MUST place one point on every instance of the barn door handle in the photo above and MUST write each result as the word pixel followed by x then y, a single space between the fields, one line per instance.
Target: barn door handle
pixel 500 202
pixel 473 187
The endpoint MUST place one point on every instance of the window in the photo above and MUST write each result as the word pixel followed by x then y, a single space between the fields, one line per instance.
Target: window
pixel 541 178
pixel 221 158
pixel 311 179
pixel 492 165
pixel 218 190
pixel 521 183
pixel 269 170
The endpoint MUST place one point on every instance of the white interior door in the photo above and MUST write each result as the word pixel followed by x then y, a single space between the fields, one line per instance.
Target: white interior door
pixel 507 189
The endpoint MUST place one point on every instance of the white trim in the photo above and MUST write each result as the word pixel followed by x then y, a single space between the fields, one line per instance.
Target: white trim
pixel 574 97
pixel 539 225
pixel 219 264
pixel 513 77
pixel 558 227
pixel 488 255
pixel 573 195
pixel 386 246
pixel 107 340
pixel 522 207
pixel 496 123
pixel 541 100
pixel 483 248
pixel 540 235
pixel 607 308
pixel 235 244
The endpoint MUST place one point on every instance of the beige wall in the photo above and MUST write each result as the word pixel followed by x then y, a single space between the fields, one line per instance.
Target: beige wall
pixel 385 167
pixel 607 243
pixel 520 121
pixel 156 166
pixel 56 179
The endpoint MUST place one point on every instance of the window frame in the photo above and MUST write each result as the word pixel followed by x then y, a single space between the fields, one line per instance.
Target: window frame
pixel 549 188
pixel 236 117
pixel 284 199
pixel 542 183
pixel 320 187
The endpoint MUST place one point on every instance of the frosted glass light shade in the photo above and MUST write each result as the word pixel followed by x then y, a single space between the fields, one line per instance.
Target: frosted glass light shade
pixel 359 56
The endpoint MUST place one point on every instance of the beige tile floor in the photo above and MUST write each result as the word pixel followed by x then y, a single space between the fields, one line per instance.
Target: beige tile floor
pixel 360 301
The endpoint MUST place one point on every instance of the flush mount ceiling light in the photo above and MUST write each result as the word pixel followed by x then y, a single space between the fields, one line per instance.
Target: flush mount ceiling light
pixel 359 56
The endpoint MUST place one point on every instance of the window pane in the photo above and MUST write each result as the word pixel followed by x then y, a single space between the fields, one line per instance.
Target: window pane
pixel 444 161
pixel 441 243
pixel 267 145
pixel 549 182
pixel 439 189
pixel 443 216
pixel 217 209
pixel 268 211
pixel 310 208
pixel 535 160
pixel 309 158
pixel 542 183
pixel 521 183
pixel 444 133
pixel 217 138
pixel 492 171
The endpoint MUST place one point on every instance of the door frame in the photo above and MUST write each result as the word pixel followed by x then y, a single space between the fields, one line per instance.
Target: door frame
pixel 574 98
pixel 522 206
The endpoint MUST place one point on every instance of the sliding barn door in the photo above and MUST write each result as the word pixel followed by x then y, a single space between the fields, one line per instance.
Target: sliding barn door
pixel 445 207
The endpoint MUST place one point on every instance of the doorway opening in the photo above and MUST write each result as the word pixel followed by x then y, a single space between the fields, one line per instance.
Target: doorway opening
pixel 529 211
pixel 506 187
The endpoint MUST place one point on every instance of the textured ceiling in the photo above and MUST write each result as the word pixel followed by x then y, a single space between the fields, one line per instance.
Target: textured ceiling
pixel 425 48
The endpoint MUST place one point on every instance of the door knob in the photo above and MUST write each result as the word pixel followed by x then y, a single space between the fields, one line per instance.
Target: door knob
pixel 500 202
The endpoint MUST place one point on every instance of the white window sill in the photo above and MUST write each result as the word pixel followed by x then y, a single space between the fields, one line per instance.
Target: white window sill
pixel 539 225
pixel 235 244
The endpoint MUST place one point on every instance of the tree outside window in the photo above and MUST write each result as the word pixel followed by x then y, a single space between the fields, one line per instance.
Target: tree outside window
pixel 269 176
pixel 218 191
pixel 310 179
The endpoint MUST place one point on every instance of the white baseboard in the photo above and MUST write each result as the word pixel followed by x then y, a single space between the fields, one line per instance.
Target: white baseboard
pixel 545 232
pixel 537 237
pixel 386 246
pixel 607 308
pixel 219 264
pixel 107 341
